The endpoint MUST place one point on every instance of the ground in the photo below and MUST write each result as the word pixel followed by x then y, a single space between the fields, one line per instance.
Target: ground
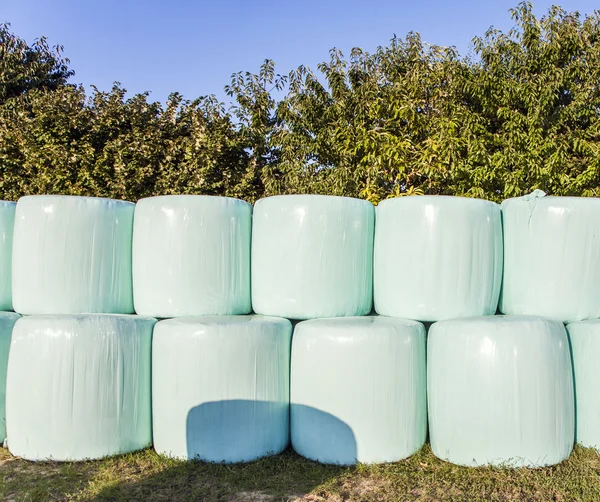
pixel 147 476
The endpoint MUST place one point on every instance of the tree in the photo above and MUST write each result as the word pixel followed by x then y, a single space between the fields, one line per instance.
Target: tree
pixel 24 67
pixel 363 131
pixel 62 142
pixel 409 118
pixel 412 118
pixel 533 101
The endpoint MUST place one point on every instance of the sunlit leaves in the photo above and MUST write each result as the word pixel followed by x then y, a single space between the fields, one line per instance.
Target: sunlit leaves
pixel 522 113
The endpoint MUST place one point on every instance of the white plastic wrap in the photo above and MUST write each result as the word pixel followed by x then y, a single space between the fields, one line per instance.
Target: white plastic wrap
pixel 220 387
pixel 72 255
pixel 358 389
pixel 500 391
pixel 7 321
pixel 552 257
pixel 312 256
pixel 78 386
pixel 585 346
pixel 7 221
pixel 437 257
pixel 191 256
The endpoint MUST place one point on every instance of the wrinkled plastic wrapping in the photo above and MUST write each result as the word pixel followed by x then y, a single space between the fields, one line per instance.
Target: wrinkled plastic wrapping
pixel 500 391
pixel 437 257
pixel 7 221
pixel 585 346
pixel 78 386
pixel 312 256
pixel 191 256
pixel 220 387
pixel 7 321
pixel 358 389
pixel 72 255
pixel 552 257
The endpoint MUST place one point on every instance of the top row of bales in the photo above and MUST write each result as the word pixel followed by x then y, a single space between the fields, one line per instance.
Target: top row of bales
pixel 303 256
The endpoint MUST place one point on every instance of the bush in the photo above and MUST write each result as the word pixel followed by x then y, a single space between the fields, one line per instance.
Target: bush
pixel 407 119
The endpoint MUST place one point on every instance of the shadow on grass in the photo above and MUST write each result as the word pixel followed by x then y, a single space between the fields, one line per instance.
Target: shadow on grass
pixel 232 431
pixel 42 481
pixel 146 476
pixel 281 477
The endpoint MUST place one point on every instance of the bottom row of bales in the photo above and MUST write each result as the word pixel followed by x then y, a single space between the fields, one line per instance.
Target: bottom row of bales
pixel 499 390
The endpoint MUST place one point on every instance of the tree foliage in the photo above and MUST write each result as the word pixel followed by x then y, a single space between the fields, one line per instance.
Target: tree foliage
pixel 409 118
pixel 24 67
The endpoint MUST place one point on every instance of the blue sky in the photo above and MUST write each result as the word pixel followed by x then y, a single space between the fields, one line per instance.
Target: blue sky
pixel 194 47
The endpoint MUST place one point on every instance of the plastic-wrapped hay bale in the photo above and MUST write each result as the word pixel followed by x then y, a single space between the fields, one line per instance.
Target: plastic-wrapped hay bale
pixel 7 321
pixel 358 389
pixel 585 346
pixel 72 255
pixel 78 386
pixel 220 387
pixel 191 256
pixel 437 257
pixel 500 391
pixel 552 257
pixel 312 256
pixel 7 221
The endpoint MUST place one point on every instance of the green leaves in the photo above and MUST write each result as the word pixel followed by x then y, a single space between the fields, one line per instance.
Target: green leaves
pixel 61 142
pixel 24 67
pixel 407 119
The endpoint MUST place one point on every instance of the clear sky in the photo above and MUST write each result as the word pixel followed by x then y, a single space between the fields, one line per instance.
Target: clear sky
pixel 193 47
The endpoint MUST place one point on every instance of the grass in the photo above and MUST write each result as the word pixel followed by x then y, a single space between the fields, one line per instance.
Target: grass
pixel 147 476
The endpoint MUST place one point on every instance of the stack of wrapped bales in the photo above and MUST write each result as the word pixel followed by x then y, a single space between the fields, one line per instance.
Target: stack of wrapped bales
pixel 499 388
pixel 78 378
pixel 220 381
pixel 7 318
pixel 301 319
pixel 552 269
pixel 357 383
